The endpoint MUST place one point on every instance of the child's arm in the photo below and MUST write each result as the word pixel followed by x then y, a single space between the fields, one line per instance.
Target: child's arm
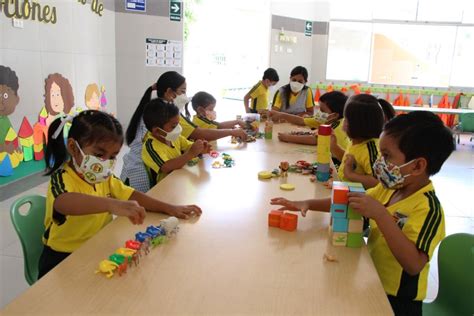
pixel 290 118
pixel 230 124
pixel 336 150
pixel 322 205
pixel 72 203
pixel 154 205
pixel 198 147
pixel 246 102
pixel 298 139
pixel 367 181
pixel 404 250
pixel 214 134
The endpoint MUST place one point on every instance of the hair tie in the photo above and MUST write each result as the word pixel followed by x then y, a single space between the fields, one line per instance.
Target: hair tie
pixel 65 119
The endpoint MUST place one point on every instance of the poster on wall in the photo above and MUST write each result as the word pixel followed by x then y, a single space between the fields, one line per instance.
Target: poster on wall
pixel 135 5
pixel 163 53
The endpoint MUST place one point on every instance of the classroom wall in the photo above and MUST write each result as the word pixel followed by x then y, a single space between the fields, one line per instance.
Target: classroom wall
pixel 80 46
pixel 132 29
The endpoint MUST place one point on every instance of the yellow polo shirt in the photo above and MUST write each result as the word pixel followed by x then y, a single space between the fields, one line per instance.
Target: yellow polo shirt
pixel 187 126
pixel 156 153
pixel 203 122
pixel 309 99
pixel 364 154
pixel 66 233
pixel 421 219
pixel 259 96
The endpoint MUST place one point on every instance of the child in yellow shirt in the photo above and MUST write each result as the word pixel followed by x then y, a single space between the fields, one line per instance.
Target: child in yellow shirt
pixel 164 148
pixel 406 217
pixel 259 92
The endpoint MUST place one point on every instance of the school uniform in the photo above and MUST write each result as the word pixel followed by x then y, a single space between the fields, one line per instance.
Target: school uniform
pixel 203 122
pixel 259 94
pixel 187 126
pixel 298 103
pixel 365 155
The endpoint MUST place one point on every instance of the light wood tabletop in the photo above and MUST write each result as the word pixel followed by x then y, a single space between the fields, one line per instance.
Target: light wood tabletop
pixel 228 261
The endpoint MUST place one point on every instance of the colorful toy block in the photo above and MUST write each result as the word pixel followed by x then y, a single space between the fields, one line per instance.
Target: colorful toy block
pixel 340 195
pixel 274 218
pixel 289 222
pixel 323 153
pixel 339 239
pixel 339 210
pixel 355 240
pixel 340 225
pixel 346 225
pixel 355 226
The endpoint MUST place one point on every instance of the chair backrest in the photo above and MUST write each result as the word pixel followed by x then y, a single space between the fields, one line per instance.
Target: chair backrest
pixel 29 226
pixel 456 277
pixel 467 122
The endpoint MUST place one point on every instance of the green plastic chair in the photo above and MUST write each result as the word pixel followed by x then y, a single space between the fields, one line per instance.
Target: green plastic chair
pixel 456 277
pixel 30 229
pixel 465 125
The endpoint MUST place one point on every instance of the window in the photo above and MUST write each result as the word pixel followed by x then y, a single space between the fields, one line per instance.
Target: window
pixel 348 51
pixel 462 74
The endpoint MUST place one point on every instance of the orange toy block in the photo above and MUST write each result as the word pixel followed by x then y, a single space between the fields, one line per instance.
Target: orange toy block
pixel 274 218
pixel 289 222
pixel 340 195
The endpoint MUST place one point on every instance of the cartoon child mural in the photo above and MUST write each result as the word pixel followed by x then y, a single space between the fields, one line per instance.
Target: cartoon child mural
pixel 92 97
pixel 9 99
pixel 58 96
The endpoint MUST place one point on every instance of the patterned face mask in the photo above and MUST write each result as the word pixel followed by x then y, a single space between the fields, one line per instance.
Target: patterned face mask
pixel 389 174
pixel 94 169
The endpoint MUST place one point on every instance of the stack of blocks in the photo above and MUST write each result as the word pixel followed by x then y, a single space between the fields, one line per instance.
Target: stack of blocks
pixel 346 225
pixel 323 153
pixel 285 221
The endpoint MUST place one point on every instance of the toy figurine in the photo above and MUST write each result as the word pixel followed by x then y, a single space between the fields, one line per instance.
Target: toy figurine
pixel 170 226
pixel 107 267
pixel 284 166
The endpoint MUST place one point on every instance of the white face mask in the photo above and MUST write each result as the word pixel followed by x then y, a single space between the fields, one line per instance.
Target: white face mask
pixel 211 115
pixel 180 101
pixel 174 134
pixel 296 86
pixel 94 169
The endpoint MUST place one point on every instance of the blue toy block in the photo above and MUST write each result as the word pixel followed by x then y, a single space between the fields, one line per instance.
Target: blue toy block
pixel 356 189
pixel 340 225
pixel 141 237
pixel 339 210
pixel 6 168
pixel 322 176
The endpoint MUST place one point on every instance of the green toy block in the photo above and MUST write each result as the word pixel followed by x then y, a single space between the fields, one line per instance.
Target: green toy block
pixel 339 239
pixel 355 240
pixel 28 153
pixel 351 214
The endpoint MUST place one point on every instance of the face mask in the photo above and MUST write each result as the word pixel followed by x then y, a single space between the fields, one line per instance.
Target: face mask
pixel 93 169
pixel 174 134
pixel 296 86
pixel 180 101
pixel 320 116
pixel 211 115
pixel 389 174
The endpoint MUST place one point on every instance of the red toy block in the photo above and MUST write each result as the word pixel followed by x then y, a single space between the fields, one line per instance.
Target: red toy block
pixel 340 195
pixel 274 218
pixel 289 222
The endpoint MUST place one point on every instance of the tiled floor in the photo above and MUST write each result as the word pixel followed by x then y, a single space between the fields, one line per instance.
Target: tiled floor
pixel 454 184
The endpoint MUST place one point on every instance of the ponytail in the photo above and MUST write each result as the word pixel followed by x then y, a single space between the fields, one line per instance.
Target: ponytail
pixel 137 116
pixel 56 153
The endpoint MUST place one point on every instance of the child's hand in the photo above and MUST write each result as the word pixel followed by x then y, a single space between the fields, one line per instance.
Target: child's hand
pixel 131 209
pixel 366 205
pixel 185 211
pixel 238 132
pixel 207 147
pixel 284 137
pixel 295 206
pixel 197 148
pixel 349 166
pixel 274 115
pixel 241 123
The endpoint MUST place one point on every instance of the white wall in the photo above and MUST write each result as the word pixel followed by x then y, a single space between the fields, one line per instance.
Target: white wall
pixel 80 46
pixel 133 76
pixel 301 9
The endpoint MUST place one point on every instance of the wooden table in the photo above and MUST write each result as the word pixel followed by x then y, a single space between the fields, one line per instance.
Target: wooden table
pixel 434 110
pixel 228 261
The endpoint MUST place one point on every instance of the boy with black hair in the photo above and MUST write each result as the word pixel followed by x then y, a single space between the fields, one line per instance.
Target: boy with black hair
pixel 406 217
pixel 259 92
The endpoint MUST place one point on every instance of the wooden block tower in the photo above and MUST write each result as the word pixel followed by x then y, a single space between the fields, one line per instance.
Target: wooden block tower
pixel 323 153
pixel 346 224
